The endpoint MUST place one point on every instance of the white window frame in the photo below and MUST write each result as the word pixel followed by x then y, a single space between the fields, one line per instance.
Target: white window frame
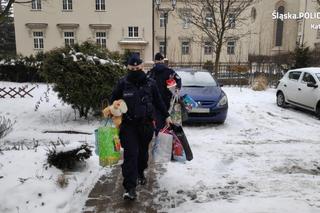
pixel 208 48
pixel 162 19
pixel 133 32
pixel 67 5
pixel 101 38
pixel 232 20
pixel 209 20
pixel 36 4
pixel 185 47
pixel 161 47
pixel 100 5
pixel 186 22
pixel 69 38
pixel 38 40
pixel 231 49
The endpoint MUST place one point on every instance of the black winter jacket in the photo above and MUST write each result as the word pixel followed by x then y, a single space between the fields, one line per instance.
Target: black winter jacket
pixel 160 73
pixel 141 96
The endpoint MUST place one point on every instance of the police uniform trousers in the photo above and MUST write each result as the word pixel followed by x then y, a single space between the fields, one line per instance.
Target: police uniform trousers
pixel 135 138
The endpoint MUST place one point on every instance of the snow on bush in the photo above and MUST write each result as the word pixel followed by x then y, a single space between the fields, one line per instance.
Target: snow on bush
pixel 260 83
pixel 68 157
pixel 5 126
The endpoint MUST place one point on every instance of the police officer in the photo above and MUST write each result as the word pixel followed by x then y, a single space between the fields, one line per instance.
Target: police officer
pixel 136 131
pixel 161 73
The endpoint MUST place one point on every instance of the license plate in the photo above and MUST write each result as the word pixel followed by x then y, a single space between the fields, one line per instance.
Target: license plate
pixel 200 110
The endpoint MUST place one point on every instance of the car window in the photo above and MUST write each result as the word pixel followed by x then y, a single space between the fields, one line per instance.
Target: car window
pixel 194 78
pixel 294 75
pixel 318 75
pixel 308 78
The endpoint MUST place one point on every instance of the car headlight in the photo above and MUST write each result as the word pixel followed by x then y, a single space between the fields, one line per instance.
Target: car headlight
pixel 223 101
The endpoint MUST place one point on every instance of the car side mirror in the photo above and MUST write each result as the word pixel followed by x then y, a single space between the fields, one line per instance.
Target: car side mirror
pixel 312 85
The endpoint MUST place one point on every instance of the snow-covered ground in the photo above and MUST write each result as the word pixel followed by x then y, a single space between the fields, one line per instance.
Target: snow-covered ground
pixel 264 159
pixel 27 185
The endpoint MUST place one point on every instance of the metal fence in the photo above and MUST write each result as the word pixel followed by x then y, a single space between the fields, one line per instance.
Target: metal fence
pixel 231 73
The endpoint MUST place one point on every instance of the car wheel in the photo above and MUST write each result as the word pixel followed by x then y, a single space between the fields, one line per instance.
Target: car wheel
pixel 318 110
pixel 281 101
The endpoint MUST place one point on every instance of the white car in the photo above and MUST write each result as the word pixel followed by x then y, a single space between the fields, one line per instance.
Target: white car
pixel 301 88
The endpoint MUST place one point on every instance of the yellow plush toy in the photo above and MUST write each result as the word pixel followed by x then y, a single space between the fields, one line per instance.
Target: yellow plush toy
pixel 115 111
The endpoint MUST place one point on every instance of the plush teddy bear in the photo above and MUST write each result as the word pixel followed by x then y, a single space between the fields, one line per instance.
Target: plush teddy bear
pixel 115 111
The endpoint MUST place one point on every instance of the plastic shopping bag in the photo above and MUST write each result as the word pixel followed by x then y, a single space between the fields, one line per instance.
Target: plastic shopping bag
pixel 178 153
pixel 162 147
pixel 175 109
pixel 178 131
pixel 109 144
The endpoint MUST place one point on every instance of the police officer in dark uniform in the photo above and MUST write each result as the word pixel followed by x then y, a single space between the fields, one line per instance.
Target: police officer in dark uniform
pixel 161 73
pixel 136 131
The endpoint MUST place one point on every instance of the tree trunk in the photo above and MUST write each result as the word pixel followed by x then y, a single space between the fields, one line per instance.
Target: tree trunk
pixel 216 64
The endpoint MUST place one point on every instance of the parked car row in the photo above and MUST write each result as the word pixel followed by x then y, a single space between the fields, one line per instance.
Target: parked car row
pixel 299 87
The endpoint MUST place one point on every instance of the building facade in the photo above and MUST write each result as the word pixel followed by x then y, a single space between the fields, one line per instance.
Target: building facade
pixel 115 24
pixel 138 26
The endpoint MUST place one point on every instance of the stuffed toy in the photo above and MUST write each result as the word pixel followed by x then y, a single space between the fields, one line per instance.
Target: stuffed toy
pixel 115 111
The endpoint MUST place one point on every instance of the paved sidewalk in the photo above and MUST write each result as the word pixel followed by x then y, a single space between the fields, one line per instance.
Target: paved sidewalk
pixel 106 196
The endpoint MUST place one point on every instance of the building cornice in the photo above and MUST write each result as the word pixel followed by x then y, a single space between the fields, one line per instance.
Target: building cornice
pixel 131 41
pixel 67 26
pixel 100 26
pixel 36 25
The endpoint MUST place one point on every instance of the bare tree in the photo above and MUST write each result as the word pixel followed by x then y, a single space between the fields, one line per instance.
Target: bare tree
pixel 218 20
pixel 6 7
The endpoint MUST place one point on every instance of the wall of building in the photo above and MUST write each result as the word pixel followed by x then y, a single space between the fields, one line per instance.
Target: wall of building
pixel 119 14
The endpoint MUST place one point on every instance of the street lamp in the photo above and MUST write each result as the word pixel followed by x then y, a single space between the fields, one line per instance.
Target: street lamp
pixel 165 13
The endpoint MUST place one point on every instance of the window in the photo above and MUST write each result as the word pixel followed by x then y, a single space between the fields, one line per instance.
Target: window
pixel 186 21
pixel 161 47
pixel 133 32
pixel 253 14
pixel 232 21
pixel 295 75
pixel 36 4
pixel 185 48
pixel 231 47
pixel 209 20
pixel 100 5
pixel 69 38
pixel 318 34
pixel 38 40
pixel 101 39
pixel 308 78
pixel 279 29
pixel 162 19
pixel 67 5
pixel 208 48
pixel 318 75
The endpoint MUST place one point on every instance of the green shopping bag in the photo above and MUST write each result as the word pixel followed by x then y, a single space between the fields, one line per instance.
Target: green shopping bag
pixel 109 144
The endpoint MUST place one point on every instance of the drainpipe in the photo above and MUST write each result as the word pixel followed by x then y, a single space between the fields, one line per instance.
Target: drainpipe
pixel 304 21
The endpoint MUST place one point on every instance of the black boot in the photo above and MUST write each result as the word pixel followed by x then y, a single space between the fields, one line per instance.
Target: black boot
pixel 130 194
pixel 142 179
